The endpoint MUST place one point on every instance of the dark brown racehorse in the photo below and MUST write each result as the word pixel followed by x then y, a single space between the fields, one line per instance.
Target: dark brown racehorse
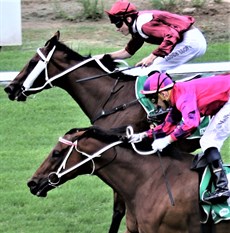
pixel 138 179
pixel 107 98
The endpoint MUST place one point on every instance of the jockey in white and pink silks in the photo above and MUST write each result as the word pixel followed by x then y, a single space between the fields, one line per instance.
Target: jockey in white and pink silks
pixel 188 102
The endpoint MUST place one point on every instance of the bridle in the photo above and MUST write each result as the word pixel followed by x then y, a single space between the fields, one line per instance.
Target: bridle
pixel 42 65
pixel 61 171
pixel 54 177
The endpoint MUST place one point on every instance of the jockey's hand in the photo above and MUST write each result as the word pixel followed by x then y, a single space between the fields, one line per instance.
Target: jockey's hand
pixel 147 61
pixel 137 137
pixel 161 143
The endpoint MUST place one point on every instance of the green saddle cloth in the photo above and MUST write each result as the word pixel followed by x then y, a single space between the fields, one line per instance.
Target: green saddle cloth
pixel 218 212
pixel 145 102
pixel 149 107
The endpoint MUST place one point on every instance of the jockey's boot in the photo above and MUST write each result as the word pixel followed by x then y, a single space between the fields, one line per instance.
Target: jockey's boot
pixel 222 192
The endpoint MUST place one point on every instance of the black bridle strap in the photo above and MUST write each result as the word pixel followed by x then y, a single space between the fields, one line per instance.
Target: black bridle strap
pixel 165 176
pixel 121 107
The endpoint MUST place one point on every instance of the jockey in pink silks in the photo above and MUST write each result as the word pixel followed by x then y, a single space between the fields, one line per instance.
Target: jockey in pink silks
pixel 188 102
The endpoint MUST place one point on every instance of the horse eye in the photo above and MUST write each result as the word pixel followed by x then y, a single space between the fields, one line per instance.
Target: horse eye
pixel 56 153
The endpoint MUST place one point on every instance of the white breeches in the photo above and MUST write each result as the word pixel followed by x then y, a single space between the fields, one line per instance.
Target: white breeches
pixel 218 129
pixel 193 45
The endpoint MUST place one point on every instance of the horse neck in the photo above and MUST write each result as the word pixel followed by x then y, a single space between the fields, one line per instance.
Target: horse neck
pixel 128 170
pixel 92 96
pixel 124 170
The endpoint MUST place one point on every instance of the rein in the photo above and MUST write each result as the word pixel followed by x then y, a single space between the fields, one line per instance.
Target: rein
pixel 129 133
pixel 54 177
pixel 103 75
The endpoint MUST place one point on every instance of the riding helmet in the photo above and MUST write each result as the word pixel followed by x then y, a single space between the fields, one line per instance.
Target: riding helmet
pixel 120 11
pixel 157 82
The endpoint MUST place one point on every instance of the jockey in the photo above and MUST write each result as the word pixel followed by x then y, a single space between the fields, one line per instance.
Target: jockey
pixel 188 101
pixel 177 39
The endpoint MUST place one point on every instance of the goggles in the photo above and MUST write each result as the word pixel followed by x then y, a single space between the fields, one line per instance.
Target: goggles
pixel 153 97
pixel 119 24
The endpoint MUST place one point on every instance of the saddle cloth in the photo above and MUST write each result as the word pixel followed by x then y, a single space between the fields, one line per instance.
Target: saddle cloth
pixel 218 212
pixel 149 107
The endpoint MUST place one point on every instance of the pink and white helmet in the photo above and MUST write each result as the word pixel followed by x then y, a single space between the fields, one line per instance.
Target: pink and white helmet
pixel 157 82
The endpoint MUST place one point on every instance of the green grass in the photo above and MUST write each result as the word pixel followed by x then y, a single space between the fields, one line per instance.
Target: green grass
pixel 30 130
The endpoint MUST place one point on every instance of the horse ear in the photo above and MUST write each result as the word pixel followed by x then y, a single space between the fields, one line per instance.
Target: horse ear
pixel 53 41
pixel 57 34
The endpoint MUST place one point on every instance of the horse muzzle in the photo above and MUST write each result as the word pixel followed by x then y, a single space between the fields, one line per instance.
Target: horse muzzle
pixel 14 92
pixel 39 189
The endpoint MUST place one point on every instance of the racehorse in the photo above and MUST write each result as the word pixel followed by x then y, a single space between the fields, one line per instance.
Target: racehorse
pixel 106 95
pixel 136 178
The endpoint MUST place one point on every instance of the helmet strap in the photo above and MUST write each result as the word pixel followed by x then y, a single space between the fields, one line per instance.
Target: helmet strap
pixel 132 16
pixel 130 24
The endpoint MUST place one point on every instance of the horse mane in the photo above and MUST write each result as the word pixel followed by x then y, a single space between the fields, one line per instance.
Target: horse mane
pixel 101 134
pixel 119 134
pixel 71 53
pixel 75 130
pixel 106 60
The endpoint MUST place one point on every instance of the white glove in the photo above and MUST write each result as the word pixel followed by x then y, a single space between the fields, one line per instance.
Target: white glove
pixel 137 137
pixel 161 143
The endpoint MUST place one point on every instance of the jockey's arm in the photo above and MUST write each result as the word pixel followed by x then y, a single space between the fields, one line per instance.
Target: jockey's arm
pixel 120 54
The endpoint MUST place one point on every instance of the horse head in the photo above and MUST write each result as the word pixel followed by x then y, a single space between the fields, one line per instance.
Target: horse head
pixel 45 69
pixel 33 73
pixel 73 155
pixel 58 160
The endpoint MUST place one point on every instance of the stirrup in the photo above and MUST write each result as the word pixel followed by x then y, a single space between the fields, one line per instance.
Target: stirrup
pixel 218 196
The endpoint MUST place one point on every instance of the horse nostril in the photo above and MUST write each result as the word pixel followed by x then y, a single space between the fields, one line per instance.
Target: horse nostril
pixel 31 184
pixel 8 89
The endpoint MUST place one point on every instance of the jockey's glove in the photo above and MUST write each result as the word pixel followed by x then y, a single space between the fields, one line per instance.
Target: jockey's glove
pixel 161 143
pixel 137 137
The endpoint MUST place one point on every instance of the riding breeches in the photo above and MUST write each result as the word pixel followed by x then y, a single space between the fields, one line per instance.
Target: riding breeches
pixel 218 129
pixel 192 46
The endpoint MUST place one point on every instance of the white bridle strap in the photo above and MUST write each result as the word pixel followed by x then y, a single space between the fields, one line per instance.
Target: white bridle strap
pixel 60 173
pixel 129 133
pixel 42 65
pixel 65 141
